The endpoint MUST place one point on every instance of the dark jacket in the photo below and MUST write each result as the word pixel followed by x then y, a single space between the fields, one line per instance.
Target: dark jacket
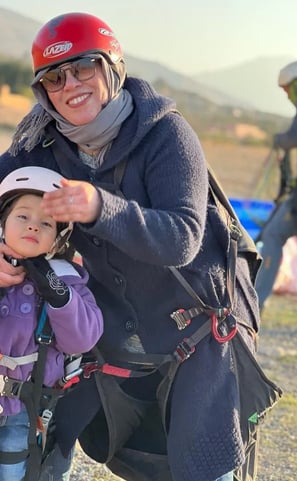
pixel 162 222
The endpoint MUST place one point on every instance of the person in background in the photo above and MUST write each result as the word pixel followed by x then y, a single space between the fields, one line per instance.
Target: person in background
pixel 91 120
pixel 283 222
pixel 39 244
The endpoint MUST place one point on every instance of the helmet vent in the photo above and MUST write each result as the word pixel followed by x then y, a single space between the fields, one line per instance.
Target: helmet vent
pixel 22 179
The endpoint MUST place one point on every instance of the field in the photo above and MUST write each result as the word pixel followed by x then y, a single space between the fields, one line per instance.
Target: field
pixel 240 168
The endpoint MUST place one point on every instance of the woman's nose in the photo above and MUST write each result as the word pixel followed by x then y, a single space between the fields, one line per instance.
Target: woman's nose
pixel 70 79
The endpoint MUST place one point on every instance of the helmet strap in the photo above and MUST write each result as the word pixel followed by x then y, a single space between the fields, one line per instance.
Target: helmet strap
pixel 60 242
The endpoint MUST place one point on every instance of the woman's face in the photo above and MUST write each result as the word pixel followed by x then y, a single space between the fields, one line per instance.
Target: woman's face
pixel 80 101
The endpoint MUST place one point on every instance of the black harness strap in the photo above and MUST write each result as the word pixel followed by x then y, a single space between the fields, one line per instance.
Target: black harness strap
pixel 30 393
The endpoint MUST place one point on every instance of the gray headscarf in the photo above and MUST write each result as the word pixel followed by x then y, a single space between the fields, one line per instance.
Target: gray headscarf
pixel 97 134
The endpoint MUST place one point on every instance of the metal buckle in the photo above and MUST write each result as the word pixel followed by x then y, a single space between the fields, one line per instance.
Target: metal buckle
pixel 44 339
pixel 180 319
pixel 183 351
pixel 10 387
pixel 89 368
pixel 2 384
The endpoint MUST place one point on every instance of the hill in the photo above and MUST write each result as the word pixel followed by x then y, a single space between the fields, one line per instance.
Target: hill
pixel 254 82
pixel 236 87
pixel 16 33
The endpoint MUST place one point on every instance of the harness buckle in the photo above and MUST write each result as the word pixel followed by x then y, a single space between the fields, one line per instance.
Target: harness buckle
pixel 10 387
pixel 181 320
pixel 88 368
pixel 44 339
pixel 183 350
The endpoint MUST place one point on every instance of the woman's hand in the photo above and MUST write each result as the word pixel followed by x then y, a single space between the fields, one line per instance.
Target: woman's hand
pixel 76 201
pixel 9 274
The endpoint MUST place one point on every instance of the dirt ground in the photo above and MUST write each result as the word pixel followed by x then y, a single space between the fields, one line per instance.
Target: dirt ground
pixel 240 168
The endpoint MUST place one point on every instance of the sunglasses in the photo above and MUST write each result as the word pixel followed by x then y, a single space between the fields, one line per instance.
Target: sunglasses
pixel 82 69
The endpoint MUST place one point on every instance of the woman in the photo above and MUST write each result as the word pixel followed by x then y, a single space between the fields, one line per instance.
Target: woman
pixel 94 125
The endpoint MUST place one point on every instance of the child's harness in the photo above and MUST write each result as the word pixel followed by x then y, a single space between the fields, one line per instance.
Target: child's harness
pixel 39 400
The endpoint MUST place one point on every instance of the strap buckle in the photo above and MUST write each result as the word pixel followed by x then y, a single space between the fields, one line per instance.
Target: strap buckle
pixel 183 350
pixel 89 368
pixel 10 387
pixel 180 319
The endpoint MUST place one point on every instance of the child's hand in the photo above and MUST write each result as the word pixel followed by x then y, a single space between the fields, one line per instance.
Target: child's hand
pixel 49 286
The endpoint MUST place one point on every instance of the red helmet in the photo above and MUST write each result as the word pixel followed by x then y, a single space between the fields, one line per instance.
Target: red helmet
pixel 72 35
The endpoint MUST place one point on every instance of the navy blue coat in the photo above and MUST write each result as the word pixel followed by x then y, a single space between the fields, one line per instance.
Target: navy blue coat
pixel 162 222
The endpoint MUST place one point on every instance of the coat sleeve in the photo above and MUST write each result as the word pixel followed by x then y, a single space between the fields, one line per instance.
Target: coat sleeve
pixel 79 324
pixel 169 229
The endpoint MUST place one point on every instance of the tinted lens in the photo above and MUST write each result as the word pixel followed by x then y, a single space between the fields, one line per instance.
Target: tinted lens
pixel 83 69
pixel 54 80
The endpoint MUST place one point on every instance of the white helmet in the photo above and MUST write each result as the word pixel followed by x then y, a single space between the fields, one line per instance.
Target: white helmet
pixel 34 180
pixel 287 74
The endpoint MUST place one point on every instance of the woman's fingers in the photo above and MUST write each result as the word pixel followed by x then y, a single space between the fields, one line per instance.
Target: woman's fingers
pixel 76 202
pixel 10 274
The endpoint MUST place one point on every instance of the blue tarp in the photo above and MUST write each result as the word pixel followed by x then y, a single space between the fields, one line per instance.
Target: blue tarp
pixel 252 213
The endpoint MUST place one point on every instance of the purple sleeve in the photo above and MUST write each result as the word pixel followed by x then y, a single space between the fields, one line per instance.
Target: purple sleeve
pixel 79 324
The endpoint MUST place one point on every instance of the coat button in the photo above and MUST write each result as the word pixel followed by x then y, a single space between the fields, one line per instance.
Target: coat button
pixel 4 310
pixel 25 307
pixel 28 289
pixel 97 242
pixel 130 325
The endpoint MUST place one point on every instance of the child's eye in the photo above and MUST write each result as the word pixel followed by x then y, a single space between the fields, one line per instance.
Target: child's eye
pixel 22 216
pixel 47 224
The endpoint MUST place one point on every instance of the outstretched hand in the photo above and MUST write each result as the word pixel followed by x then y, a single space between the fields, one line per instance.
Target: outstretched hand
pixel 76 201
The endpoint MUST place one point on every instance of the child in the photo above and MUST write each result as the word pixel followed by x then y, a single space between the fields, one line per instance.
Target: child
pixel 52 283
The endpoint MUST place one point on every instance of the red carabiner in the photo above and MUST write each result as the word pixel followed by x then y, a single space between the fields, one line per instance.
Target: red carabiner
pixel 215 331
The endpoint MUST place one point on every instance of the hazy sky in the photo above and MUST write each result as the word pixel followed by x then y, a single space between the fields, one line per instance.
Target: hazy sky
pixel 188 35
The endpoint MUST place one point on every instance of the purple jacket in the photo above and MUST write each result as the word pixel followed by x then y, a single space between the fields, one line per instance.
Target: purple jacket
pixel 77 326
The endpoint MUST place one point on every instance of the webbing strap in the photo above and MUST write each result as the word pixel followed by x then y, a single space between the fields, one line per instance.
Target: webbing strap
pixel 7 457
pixel 13 362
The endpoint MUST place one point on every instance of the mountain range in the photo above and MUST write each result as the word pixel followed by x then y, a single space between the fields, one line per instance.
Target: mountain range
pixel 251 85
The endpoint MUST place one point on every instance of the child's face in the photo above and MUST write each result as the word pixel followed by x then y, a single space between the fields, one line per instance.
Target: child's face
pixel 28 230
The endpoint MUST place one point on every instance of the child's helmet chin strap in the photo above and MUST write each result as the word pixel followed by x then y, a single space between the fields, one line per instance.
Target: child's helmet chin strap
pixel 60 241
